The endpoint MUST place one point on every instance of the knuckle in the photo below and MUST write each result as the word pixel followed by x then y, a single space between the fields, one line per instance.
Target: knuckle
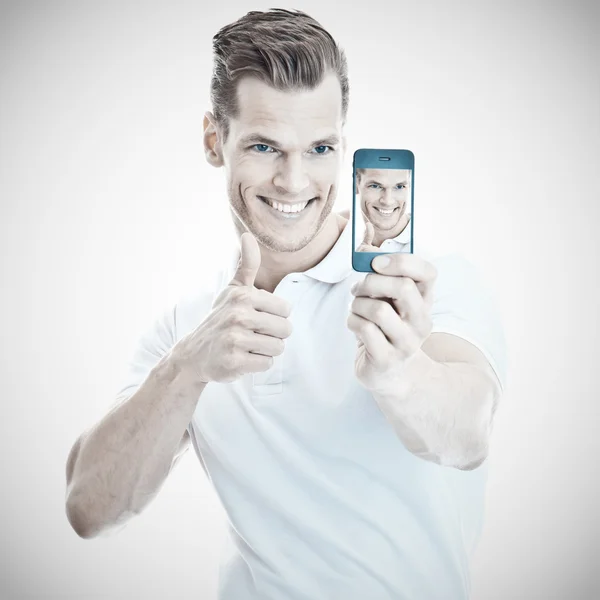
pixel 267 363
pixel 286 308
pixel 288 328
pixel 404 285
pixel 231 320
pixel 240 318
pixel 246 320
pixel 230 340
pixel 354 324
pixel 239 296
pixel 381 310
pixel 368 328
pixel 229 361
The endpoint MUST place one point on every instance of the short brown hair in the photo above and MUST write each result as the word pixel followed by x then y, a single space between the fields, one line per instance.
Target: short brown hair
pixel 288 50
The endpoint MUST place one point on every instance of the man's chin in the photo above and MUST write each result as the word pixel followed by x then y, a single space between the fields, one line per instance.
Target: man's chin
pixel 277 244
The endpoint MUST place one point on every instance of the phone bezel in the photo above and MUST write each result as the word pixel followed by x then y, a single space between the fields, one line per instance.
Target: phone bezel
pixel 369 158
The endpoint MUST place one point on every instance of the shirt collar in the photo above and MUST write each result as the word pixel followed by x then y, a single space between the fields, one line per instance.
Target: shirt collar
pixel 335 266
pixel 404 236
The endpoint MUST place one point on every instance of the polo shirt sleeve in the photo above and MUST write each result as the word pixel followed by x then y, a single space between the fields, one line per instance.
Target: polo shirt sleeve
pixel 153 343
pixel 464 306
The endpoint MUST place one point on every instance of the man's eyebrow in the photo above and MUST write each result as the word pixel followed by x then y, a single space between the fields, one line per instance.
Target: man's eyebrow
pixel 331 140
pixel 370 181
pixel 257 138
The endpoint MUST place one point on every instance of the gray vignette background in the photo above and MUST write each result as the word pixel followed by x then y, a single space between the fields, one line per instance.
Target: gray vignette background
pixel 109 211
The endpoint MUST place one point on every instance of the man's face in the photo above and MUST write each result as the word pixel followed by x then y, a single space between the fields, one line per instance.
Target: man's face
pixel 384 196
pixel 283 158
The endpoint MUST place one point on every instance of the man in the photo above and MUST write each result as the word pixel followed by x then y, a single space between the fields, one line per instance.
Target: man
pixel 344 427
pixel 384 197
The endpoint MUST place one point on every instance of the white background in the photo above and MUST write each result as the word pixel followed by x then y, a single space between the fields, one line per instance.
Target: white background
pixel 109 211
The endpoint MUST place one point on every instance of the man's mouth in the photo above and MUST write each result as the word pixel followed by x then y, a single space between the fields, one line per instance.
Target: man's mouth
pixel 287 210
pixel 385 211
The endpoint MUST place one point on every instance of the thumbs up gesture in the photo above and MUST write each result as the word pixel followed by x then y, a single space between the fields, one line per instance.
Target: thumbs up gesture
pixel 244 331
pixel 367 243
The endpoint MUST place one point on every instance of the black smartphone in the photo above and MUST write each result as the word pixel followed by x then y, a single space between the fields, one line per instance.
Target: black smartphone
pixel 383 190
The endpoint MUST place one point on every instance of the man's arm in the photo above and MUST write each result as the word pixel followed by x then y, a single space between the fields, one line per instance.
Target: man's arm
pixel 117 467
pixel 444 406
pixel 430 346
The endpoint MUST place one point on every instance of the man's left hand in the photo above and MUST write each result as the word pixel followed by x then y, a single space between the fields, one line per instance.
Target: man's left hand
pixel 390 316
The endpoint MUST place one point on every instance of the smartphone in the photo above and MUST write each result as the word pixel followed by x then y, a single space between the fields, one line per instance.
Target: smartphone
pixel 383 190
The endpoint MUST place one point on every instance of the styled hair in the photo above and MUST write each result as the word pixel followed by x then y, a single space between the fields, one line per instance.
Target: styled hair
pixel 288 50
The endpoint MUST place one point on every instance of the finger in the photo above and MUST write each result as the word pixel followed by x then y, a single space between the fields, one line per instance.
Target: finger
pixel 273 325
pixel 270 303
pixel 369 234
pixel 402 264
pixel 366 248
pixel 402 291
pixel 426 290
pixel 412 308
pixel 381 314
pixel 254 363
pixel 370 336
pixel 266 345
pixel 249 262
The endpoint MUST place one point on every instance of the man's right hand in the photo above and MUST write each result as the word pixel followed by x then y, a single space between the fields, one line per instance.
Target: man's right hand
pixel 367 242
pixel 245 329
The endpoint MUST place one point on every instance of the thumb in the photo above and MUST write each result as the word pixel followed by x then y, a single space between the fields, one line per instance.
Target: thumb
pixel 249 262
pixel 369 234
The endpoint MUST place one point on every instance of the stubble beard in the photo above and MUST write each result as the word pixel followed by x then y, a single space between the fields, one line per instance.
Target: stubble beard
pixel 400 217
pixel 245 221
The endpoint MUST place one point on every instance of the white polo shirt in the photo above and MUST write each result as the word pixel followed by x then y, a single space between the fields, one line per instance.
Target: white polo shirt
pixel 323 500
pixel 401 243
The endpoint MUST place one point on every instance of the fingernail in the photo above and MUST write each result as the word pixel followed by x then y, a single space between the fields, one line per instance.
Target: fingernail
pixel 381 262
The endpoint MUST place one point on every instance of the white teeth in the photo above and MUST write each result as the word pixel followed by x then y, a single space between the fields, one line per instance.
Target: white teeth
pixel 286 208
pixel 385 212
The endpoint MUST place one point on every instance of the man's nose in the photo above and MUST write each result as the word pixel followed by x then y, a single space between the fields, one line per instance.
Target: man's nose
pixel 386 198
pixel 291 175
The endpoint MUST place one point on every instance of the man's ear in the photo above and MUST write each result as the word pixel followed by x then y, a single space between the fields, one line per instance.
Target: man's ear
pixel 213 148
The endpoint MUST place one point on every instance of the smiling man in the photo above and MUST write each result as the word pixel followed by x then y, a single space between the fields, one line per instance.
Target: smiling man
pixel 343 421
pixel 282 155
pixel 384 198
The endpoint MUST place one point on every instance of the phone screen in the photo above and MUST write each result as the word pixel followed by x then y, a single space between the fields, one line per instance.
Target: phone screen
pixel 383 202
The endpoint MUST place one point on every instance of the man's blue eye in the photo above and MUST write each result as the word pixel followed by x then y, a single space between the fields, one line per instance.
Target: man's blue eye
pixel 262 147
pixel 321 149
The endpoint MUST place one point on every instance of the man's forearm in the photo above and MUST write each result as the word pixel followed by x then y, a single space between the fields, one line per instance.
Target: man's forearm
pixel 117 467
pixel 442 412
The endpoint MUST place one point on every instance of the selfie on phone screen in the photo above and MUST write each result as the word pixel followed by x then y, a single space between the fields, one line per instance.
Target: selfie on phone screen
pixel 383 201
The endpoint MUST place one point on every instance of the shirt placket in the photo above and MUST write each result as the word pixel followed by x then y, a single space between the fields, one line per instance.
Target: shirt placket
pixel 269 383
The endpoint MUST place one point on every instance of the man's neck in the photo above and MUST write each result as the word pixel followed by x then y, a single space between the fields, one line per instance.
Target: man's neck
pixel 379 238
pixel 276 265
